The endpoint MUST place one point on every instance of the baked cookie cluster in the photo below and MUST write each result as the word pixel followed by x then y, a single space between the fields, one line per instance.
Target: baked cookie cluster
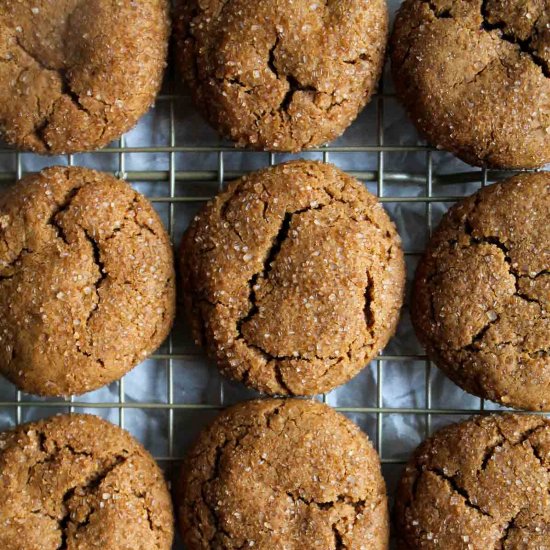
pixel 300 251
pixel 292 278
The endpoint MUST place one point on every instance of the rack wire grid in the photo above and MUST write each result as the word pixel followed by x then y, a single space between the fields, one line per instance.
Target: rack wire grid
pixel 175 159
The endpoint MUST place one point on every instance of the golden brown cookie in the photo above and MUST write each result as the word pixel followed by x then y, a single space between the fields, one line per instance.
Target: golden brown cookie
pixel 282 474
pixel 281 75
pixel 482 293
pixel 87 286
pixel 474 76
pixel 75 75
pixel 480 484
pixel 77 481
pixel 293 278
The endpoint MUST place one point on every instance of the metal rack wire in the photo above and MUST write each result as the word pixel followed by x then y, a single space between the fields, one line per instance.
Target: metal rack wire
pixel 374 405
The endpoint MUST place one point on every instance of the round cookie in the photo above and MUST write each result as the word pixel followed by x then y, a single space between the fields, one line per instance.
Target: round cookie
pixel 483 483
pixel 285 75
pixel 87 286
pixel 482 293
pixel 474 76
pixel 293 278
pixel 282 474
pixel 75 75
pixel 77 481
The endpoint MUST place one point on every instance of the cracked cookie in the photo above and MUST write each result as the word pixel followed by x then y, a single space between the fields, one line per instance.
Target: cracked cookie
pixel 285 75
pixel 482 293
pixel 87 286
pixel 483 483
pixel 77 481
pixel 282 474
pixel 74 74
pixel 293 278
pixel 474 76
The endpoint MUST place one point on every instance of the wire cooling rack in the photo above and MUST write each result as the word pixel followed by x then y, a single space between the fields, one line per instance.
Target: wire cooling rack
pixel 178 162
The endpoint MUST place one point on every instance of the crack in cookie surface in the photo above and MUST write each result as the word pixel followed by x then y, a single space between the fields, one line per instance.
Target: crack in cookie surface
pixel 497 21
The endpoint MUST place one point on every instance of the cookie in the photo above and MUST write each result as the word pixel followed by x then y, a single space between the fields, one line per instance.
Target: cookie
pixel 293 278
pixel 483 483
pixel 87 285
pixel 285 75
pixel 77 481
pixel 482 293
pixel 76 75
pixel 475 77
pixel 282 474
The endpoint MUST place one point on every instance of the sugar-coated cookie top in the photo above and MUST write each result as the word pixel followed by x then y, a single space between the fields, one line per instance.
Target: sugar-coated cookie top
pixel 483 483
pixel 75 75
pixel 481 298
pixel 475 77
pixel 293 278
pixel 87 285
pixel 283 474
pixel 281 75
pixel 77 481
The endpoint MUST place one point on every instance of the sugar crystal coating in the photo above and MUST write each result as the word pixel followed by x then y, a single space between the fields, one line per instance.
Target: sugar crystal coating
pixel 475 77
pixel 76 75
pixel 281 75
pixel 87 285
pixel 282 474
pixel 293 278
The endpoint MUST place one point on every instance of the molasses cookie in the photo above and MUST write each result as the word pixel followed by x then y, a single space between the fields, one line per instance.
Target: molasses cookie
pixel 75 75
pixel 483 483
pixel 293 278
pixel 87 285
pixel 283 75
pixel 282 474
pixel 76 481
pixel 482 293
pixel 474 76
